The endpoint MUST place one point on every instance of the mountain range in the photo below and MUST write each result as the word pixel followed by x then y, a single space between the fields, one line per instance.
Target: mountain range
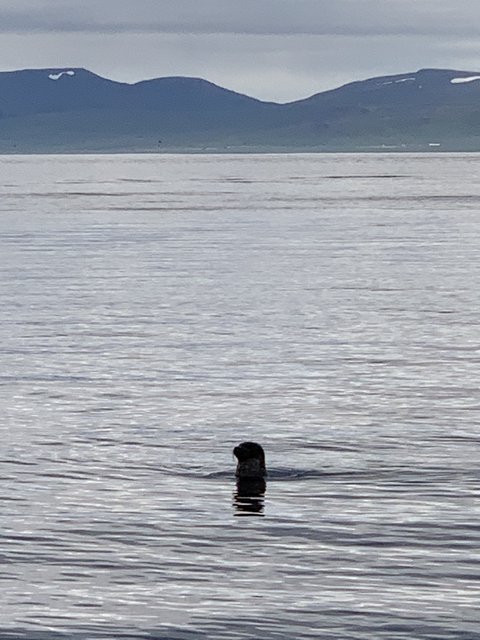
pixel 75 110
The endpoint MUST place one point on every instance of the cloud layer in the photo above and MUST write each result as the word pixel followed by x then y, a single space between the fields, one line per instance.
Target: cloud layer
pixel 272 49
pixel 260 17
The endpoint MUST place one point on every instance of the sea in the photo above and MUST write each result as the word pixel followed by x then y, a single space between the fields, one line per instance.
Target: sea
pixel 156 311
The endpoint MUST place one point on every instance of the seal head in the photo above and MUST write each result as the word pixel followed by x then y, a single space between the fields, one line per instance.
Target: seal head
pixel 251 461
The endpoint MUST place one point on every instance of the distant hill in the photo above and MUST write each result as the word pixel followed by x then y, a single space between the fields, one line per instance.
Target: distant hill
pixel 423 109
pixel 74 110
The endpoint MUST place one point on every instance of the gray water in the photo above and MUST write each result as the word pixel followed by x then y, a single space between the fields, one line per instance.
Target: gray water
pixel 158 310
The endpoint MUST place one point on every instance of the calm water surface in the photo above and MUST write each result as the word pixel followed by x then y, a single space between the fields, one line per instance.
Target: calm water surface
pixel 156 311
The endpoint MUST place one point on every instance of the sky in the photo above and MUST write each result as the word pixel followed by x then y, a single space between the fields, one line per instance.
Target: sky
pixel 278 50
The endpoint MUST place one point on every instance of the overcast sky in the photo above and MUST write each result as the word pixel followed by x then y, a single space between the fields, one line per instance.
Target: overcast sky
pixel 272 49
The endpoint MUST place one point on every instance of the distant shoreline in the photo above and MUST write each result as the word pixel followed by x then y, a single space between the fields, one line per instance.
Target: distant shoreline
pixel 250 151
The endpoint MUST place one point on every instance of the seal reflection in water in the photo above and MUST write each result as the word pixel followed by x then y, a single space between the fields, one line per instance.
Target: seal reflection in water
pixel 250 473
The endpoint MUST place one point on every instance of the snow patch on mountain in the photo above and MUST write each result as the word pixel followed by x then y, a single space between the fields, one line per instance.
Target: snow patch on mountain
pixel 57 76
pixel 464 79
pixel 398 81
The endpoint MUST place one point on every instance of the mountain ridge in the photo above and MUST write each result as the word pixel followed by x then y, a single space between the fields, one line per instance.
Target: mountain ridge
pixel 72 109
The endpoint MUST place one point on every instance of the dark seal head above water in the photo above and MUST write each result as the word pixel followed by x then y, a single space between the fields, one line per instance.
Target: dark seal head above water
pixel 251 461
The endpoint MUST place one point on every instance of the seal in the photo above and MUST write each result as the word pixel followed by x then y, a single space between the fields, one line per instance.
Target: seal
pixel 251 461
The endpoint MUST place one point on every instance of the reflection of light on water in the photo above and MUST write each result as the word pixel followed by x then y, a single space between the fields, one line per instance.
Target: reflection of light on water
pixel 249 498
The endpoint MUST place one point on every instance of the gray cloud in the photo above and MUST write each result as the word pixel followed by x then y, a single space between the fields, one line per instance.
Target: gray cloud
pixel 259 17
